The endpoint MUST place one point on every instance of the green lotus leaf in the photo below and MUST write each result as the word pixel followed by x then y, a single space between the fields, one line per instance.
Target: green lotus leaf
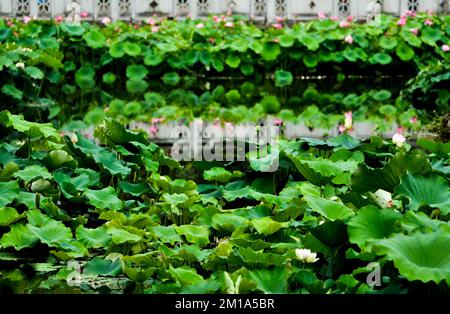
pixel 422 257
pixel 310 60
pixel 52 233
pixel 414 222
pixel 153 58
pixel 433 146
pixel 109 78
pixel 84 77
pixel 5 33
pixel 270 280
pixel 132 108
pixel 94 39
pixel 382 95
pixel 220 174
pixel 119 135
pixel 351 55
pixel 8 215
pixel 104 199
pixel 103 267
pixel 12 91
pixel 371 224
pixel 247 69
pixel 132 49
pixel 121 235
pixel 271 104
pixel 283 78
pixel 73 29
pixel 116 50
pixel 286 41
pixel 8 192
pixel 421 191
pixel 171 78
pixel 388 43
pixel 381 58
pixel 240 44
pixel 136 86
pixel 267 225
pixel 95 116
pixel 134 189
pixel 19 237
pixel 186 275
pixel 93 238
pixel 331 210
pixel 194 234
pixel 227 222
pixel 37 218
pixel 166 234
pixel 40 185
pixel 205 57
pixel 59 159
pixel 431 35
pixel 405 52
pixel 270 51
pixel 136 72
pixel 233 61
pixel 309 41
pixel 32 172
pixel 34 73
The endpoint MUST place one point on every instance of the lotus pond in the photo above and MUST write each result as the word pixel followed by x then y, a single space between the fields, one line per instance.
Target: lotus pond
pixel 116 213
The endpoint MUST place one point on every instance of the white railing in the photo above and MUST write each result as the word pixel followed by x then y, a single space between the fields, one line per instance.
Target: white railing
pixel 257 9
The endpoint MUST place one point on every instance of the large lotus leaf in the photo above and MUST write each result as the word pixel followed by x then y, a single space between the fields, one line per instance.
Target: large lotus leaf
pixel 34 72
pixel 171 78
pixel 104 199
pixel 103 267
pixel 8 215
pixel 270 51
pixel 310 60
pixel 132 108
pixel 116 50
pixel 73 29
pixel 309 41
pixel 12 91
pixel 283 78
pixel 137 85
pixel 194 234
pixel 267 225
pixel 388 178
pixel 286 40
pixel 332 210
pixel 8 192
pixel 31 129
pixel 227 222
pixel 434 147
pixel 19 237
pixel 119 135
pixel 270 280
pixel 84 77
pixel 122 235
pixel 220 175
pixel 422 257
pixel 233 61
pixel 166 234
pixel 33 172
pixel 431 35
pixel 95 39
pixel 136 72
pixel 186 276
pixel 405 52
pixel 94 116
pixel 371 224
pixel 153 58
pixel 381 58
pixel 52 233
pixel 420 222
pixel 132 49
pixel 421 191
pixel 59 159
pixel 332 234
pixel 37 218
pixel 388 43
pixel 93 238
pixel 134 189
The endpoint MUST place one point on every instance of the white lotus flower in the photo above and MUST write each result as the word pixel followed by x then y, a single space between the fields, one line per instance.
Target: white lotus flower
pixel 398 139
pixel 20 65
pixel 305 255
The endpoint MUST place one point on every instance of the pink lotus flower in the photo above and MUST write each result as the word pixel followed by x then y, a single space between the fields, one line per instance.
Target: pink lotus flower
pixel 59 18
pixel 216 19
pixel 229 24
pixel 189 16
pixel 334 18
pixel 322 15
pixel 155 29
pixel 106 20
pixel 415 31
pixel 212 40
pixel 445 48
pixel 278 122
pixel 402 22
pixel 428 22
pixel 10 23
pixel 277 25
pixel 153 129
pixel 157 120
pixel 200 25
pixel 410 13
pixel 413 120
pixel 84 14
pixel 279 19
pixel 348 124
pixel 349 39
pixel 341 128
pixel 27 19
pixel 350 18
pixel 344 24
pixel 216 122
pixel 151 21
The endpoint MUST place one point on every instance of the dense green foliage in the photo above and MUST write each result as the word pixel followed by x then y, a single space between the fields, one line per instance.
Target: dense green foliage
pixel 58 71
pixel 76 216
